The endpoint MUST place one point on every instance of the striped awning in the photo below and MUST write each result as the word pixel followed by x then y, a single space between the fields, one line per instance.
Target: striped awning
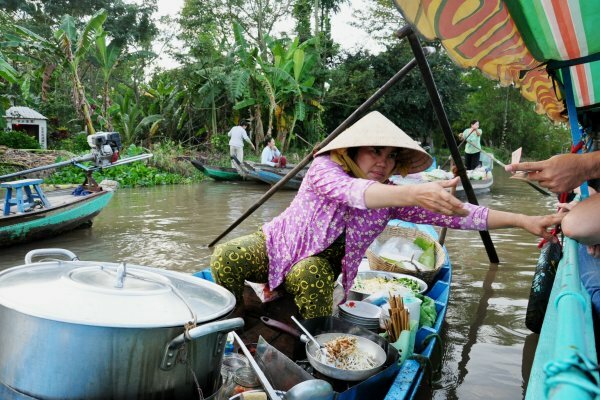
pixel 512 40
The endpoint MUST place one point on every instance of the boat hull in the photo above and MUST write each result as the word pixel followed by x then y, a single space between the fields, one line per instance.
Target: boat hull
pixel 218 173
pixel 55 220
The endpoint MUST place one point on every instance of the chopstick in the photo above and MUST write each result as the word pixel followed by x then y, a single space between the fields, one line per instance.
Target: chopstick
pixel 399 318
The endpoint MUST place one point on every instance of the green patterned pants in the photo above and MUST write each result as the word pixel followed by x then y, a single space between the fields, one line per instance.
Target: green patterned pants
pixel 310 280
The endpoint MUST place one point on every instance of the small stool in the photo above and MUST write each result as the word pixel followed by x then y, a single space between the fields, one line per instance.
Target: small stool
pixel 19 201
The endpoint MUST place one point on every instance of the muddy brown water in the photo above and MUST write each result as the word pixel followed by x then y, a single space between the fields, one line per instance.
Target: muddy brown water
pixel 487 348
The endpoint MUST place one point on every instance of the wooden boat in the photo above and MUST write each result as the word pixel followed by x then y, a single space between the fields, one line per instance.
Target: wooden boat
pixel 218 173
pixel 394 382
pixel 66 212
pixel 410 376
pixel 272 175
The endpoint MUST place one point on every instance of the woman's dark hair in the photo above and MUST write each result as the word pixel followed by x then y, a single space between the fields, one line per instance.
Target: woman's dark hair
pixel 267 140
pixel 472 122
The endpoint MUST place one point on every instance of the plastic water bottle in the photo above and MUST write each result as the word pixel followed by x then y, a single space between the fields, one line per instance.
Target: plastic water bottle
pixel 414 306
pixel 229 344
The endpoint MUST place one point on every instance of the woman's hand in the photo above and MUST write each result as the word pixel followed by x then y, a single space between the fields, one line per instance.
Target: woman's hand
pixel 538 225
pixel 434 197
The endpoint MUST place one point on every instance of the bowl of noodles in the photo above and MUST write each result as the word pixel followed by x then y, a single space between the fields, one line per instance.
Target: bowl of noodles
pixel 367 283
pixel 345 357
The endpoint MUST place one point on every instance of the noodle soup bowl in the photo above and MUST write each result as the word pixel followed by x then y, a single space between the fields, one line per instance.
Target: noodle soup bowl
pixel 370 348
pixel 360 292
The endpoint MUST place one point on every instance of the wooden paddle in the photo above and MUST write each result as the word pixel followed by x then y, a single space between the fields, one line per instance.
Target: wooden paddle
pixel 500 163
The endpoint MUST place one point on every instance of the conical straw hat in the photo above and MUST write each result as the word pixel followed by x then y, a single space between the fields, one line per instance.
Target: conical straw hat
pixel 376 130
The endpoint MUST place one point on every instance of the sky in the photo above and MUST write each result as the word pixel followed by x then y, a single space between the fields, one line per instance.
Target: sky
pixel 344 34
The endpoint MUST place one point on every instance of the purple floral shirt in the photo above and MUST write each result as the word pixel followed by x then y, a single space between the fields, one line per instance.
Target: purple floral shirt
pixel 329 203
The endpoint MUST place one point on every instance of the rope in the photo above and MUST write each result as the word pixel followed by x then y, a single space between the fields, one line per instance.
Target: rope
pixel 578 362
pixel 425 362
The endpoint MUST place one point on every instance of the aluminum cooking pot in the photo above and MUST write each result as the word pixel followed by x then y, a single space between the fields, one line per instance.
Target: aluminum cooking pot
pixel 96 330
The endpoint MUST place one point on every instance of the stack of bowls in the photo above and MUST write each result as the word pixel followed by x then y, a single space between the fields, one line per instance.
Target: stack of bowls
pixel 361 313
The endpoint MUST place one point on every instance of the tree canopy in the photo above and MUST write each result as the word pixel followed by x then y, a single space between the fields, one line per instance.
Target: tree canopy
pixel 87 64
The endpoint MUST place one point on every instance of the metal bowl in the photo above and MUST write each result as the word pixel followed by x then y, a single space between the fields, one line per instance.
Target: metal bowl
pixel 369 347
pixel 359 295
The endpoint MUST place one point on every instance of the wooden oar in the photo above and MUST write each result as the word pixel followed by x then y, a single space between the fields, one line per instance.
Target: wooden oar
pixel 500 163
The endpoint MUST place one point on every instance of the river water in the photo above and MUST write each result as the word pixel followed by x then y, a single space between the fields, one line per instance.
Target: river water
pixel 487 348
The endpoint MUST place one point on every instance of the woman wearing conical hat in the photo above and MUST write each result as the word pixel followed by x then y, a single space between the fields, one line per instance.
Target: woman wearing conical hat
pixel 344 203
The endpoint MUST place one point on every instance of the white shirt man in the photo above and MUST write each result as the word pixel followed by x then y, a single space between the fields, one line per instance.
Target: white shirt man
pixel 236 144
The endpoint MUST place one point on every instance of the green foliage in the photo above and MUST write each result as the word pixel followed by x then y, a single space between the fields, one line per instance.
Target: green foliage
pixel 18 140
pixel 220 143
pixel 136 173
pixel 75 144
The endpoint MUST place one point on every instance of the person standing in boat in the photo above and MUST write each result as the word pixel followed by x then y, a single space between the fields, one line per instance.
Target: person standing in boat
pixel 344 203
pixel 271 155
pixel 472 136
pixel 237 136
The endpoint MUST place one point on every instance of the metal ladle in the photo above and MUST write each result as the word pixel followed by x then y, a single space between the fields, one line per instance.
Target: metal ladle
pixel 307 333
pixel 314 389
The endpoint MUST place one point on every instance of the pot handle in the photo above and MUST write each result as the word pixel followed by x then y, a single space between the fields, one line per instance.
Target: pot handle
pixel 49 252
pixel 172 348
pixel 273 323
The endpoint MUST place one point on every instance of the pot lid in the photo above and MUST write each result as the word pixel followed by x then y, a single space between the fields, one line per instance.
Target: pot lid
pixel 110 294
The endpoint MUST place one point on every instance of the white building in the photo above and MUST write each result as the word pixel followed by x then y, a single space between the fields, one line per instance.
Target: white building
pixel 24 119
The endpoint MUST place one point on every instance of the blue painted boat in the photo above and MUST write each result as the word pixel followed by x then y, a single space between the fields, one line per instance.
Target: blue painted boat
pixel 410 376
pixel 66 212
pixel 565 363
pixel 272 175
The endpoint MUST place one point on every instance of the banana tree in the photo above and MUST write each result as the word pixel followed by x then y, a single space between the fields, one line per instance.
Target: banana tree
pixel 292 76
pixel 107 58
pixel 74 47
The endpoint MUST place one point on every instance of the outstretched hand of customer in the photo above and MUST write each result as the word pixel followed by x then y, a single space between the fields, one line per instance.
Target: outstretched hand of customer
pixel 560 173
pixel 435 197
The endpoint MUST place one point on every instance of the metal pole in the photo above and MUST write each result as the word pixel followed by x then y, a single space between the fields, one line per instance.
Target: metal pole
pixel 88 157
pixel 355 116
pixel 438 107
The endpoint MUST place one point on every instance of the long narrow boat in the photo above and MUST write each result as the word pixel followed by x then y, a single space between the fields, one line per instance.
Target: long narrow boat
pixel 566 353
pixel 272 175
pixel 393 383
pixel 410 376
pixel 66 212
pixel 218 173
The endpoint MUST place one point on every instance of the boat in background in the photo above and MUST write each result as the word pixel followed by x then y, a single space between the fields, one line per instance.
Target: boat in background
pixel 67 211
pixel 218 173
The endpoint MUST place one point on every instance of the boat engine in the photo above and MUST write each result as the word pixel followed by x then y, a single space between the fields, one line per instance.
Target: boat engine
pixel 105 147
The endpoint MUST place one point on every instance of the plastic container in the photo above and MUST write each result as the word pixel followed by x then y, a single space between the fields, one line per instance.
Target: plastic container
pixel 245 379
pixel 414 307
pixel 231 363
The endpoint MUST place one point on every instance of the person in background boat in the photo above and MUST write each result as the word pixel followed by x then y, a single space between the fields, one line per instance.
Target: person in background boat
pixel 344 203
pixel 473 137
pixel 236 144
pixel 271 155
